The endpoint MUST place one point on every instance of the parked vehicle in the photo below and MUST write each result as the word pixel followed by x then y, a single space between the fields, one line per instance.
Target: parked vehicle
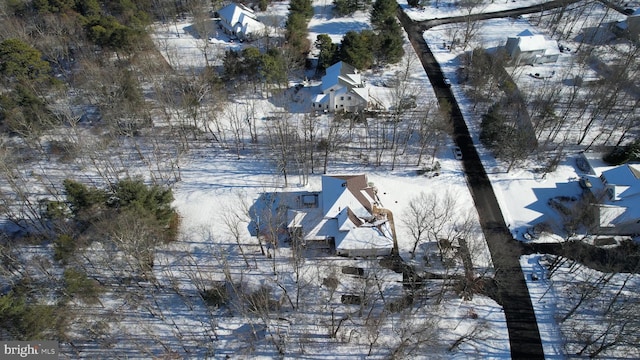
pixel 457 153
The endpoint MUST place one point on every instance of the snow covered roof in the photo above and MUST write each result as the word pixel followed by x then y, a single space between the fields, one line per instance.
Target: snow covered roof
pixel 362 93
pixel 528 41
pixel 345 214
pixel 320 98
pixel 341 73
pixel 526 32
pixel 347 220
pixel 623 187
pixel 234 14
pixel 624 182
pixel 342 191
pixel 362 239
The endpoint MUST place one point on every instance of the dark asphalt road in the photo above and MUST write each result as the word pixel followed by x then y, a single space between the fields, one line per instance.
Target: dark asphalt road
pixel 513 294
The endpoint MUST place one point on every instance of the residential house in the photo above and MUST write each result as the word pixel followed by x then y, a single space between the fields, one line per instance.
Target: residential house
pixel 618 212
pixel 342 90
pixel 241 22
pixel 346 214
pixel 528 48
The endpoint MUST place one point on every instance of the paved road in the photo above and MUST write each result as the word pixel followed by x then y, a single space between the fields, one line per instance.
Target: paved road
pixel 513 294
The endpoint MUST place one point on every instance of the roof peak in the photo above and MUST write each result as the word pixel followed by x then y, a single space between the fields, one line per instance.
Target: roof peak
pixel 526 32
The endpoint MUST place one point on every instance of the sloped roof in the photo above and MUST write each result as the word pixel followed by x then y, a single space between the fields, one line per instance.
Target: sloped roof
pixel 529 41
pixel 624 182
pixel 341 73
pixel 347 220
pixel 363 239
pixel 345 214
pixel 362 93
pixel 238 13
pixel 342 191
pixel 320 98
pixel 526 32
pixel 234 13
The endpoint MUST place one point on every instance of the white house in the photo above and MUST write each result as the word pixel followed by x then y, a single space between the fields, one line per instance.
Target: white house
pixel 528 48
pixel 240 21
pixel 342 90
pixel 618 213
pixel 345 213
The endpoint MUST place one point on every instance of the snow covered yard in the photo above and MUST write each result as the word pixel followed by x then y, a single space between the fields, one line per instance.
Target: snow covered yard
pixel 214 293
pixel 581 311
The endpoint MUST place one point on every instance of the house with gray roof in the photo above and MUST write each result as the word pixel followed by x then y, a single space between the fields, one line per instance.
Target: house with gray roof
pixel 343 89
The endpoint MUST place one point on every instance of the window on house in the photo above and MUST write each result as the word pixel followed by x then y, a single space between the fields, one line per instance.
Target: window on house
pixel 341 98
pixel 349 98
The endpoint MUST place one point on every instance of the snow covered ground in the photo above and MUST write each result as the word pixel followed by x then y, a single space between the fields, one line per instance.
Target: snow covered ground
pixel 216 186
pixel 209 188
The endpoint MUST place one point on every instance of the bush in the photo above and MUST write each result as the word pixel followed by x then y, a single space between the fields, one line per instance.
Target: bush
pixel 623 154
pixel 345 7
pixel 217 296
pixel 82 197
pixel 65 150
pixel 151 202
pixel 616 156
pixel 54 210
pixel 260 301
